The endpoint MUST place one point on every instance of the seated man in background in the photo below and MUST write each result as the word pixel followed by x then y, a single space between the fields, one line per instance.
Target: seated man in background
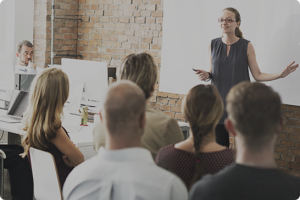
pixel 123 169
pixel 161 130
pixel 19 168
pixel 24 58
pixel 254 118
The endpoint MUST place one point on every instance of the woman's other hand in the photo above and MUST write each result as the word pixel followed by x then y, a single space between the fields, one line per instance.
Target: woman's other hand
pixel 67 161
pixel 289 69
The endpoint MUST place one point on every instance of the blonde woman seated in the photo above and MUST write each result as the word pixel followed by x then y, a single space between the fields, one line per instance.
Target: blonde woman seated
pixel 160 130
pixel 42 121
pixel 199 154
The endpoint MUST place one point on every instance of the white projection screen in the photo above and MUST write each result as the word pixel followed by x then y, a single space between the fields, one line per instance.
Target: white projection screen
pixel 272 26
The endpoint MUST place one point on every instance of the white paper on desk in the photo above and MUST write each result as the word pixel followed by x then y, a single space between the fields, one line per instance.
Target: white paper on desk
pixel 72 124
pixel 95 110
pixel 75 99
pixel 72 128
pixel 2 105
pixel 8 120
pixel 2 96
pixel 5 93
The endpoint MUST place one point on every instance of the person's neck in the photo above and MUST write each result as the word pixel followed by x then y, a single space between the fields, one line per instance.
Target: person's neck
pixel 230 38
pixel 208 144
pixel 262 159
pixel 117 143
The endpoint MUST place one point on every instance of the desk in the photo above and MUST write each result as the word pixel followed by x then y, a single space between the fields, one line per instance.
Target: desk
pixel 83 138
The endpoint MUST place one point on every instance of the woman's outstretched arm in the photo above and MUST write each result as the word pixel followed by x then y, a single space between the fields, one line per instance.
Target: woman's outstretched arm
pixel 258 75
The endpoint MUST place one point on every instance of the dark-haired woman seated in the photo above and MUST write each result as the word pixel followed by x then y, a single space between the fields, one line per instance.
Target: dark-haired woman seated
pixel 199 154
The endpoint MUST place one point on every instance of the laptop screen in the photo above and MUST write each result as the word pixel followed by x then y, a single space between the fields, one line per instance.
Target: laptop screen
pixel 18 103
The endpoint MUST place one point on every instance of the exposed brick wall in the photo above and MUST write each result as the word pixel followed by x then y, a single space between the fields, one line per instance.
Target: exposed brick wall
pixel 65 31
pixel 39 32
pixel 287 150
pixel 112 29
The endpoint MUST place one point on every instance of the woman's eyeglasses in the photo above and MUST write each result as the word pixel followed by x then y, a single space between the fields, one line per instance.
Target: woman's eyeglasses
pixel 221 20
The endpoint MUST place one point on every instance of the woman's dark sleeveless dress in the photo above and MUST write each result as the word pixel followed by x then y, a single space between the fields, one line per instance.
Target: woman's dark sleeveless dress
pixel 227 72
pixel 62 169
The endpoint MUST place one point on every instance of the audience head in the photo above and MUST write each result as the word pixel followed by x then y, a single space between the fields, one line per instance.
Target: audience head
pixel 24 52
pixel 254 114
pixel 202 108
pixel 124 111
pixel 48 93
pixel 140 69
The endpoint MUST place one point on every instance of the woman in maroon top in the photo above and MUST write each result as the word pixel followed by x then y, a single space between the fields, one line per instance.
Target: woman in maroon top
pixel 199 154
pixel 42 121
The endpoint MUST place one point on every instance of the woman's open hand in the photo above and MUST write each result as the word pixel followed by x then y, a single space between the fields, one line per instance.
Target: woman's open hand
pixel 289 69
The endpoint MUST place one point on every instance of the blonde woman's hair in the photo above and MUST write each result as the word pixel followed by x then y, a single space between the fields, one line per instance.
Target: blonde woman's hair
pixel 48 93
pixel 140 69
pixel 238 31
pixel 202 108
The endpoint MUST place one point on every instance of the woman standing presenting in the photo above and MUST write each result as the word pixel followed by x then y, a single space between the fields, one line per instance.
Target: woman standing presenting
pixel 230 56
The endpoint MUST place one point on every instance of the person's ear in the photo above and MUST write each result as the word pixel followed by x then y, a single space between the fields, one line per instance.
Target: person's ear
pixel 152 91
pixel 280 126
pixel 229 127
pixel 119 73
pixel 17 54
pixel 100 113
pixel 142 121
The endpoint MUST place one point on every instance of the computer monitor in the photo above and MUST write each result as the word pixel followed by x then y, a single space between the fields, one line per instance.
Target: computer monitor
pixel 6 75
pixel 112 72
pixel 23 81
pixel 94 76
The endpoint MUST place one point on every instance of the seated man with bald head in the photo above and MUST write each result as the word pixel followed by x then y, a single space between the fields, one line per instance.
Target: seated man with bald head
pixel 123 170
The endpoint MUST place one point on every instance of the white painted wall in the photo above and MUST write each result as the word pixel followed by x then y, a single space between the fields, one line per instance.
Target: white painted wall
pixel 16 22
pixel 2 25
pixel 272 26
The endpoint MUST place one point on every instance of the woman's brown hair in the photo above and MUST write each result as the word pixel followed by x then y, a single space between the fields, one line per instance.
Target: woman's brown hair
pixel 238 31
pixel 202 108
pixel 49 91
pixel 140 69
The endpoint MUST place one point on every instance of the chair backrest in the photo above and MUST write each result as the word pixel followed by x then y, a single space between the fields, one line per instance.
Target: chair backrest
pixel 45 177
pixel 2 156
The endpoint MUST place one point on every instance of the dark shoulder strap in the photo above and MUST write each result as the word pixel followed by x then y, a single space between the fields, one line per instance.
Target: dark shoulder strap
pixel 66 132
